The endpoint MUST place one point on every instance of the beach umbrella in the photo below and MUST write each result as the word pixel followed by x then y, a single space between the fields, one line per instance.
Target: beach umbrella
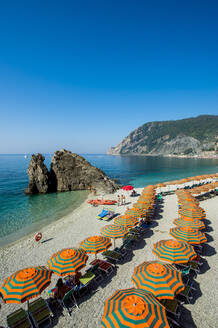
pixel 133 308
pixel 160 279
pixel 68 261
pixel 188 234
pixel 114 231
pixel 25 284
pixel 174 251
pixel 127 187
pixel 95 244
pixel 191 214
pixel 192 223
pixel 126 220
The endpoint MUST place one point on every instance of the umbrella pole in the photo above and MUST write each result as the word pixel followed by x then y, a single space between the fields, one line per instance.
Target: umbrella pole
pixel 114 243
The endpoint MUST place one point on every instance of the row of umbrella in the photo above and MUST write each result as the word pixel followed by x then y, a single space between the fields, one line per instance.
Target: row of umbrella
pixel 139 307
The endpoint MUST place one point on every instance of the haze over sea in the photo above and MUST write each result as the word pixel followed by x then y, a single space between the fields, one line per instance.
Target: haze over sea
pixel 21 214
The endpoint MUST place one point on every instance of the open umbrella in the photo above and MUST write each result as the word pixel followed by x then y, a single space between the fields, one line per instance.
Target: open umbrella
pixel 188 234
pixel 158 278
pixel 95 244
pixel 133 308
pixel 127 187
pixel 114 231
pixel 68 261
pixel 174 251
pixel 192 223
pixel 126 220
pixel 25 284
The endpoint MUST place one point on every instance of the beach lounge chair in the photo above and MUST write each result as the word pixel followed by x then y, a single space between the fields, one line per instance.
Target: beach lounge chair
pixel 112 256
pixel 102 214
pixel 68 302
pixel 173 323
pixel 121 250
pixel 19 319
pixel 86 281
pixel 172 306
pixel 40 313
pixel 109 216
pixel 185 294
pixel 104 266
pixel 98 275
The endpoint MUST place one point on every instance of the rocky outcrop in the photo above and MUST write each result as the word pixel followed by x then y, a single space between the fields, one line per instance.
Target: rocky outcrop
pixel 38 176
pixel 68 172
pixel 194 136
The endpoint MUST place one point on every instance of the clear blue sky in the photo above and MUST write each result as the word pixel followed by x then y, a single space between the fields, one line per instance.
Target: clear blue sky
pixel 83 74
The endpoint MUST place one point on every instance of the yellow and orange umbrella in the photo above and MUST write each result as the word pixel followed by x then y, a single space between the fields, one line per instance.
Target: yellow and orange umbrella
pixel 158 278
pixel 68 261
pixel 174 251
pixel 133 308
pixel 25 284
pixel 95 244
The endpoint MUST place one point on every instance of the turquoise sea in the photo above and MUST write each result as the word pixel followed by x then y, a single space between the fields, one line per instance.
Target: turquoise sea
pixel 21 214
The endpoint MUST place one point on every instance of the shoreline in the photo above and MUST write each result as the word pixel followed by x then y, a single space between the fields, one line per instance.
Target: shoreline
pixel 168 156
pixel 42 227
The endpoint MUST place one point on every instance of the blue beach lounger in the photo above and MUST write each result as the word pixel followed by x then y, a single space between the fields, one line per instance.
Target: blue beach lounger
pixel 102 214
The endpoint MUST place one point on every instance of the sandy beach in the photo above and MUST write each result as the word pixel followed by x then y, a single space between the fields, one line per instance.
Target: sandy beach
pixel 82 223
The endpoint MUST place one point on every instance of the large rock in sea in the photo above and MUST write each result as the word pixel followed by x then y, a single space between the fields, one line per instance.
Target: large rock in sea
pixel 70 171
pixel 38 176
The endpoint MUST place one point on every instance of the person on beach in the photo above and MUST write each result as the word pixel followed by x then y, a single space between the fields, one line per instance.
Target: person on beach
pixel 124 200
pixel 61 289
pixel 76 278
pixel 118 200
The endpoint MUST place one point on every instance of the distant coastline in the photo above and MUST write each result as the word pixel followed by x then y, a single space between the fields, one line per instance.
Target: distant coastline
pixel 208 156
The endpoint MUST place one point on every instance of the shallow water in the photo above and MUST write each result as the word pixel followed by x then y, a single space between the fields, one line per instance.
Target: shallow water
pixel 21 214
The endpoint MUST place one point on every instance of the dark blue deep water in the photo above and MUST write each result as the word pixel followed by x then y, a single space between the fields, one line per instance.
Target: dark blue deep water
pixel 21 214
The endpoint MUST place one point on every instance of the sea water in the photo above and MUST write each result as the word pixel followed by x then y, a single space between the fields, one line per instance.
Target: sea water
pixel 21 214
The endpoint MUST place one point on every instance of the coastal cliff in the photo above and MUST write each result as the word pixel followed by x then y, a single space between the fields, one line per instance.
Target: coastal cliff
pixel 68 172
pixel 187 137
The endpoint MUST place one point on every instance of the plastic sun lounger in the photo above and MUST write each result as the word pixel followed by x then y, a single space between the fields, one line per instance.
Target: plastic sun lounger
pixel 109 216
pixel 68 302
pixel 111 255
pixel 172 306
pixel 19 319
pixel 186 293
pixel 104 266
pixel 95 269
pixel 40 312
pixel 102 214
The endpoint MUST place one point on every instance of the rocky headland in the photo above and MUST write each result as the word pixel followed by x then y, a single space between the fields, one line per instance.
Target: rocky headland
pixel 68 171
pixel 191 137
